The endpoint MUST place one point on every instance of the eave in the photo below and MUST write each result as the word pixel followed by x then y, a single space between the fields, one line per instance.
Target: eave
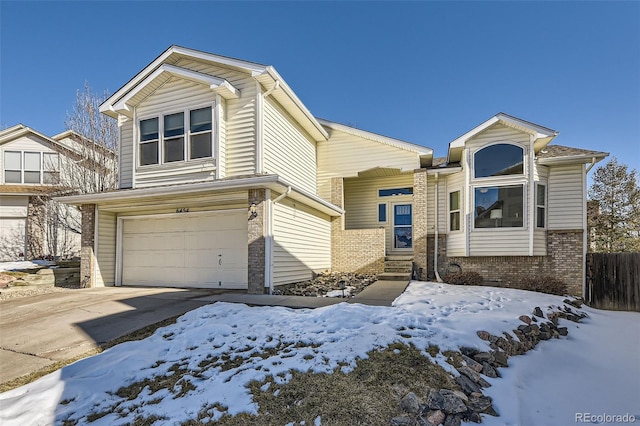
pixel 572 159
pixel 273 182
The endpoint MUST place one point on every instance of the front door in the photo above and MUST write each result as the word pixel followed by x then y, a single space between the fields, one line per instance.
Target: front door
pixel 402 227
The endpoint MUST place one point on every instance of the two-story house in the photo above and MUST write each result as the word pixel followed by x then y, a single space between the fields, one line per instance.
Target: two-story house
pixel 35 167
pixel 228 181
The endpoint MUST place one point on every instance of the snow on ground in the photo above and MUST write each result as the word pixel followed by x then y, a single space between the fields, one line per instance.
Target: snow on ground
pixel 594 370
pixel 26 264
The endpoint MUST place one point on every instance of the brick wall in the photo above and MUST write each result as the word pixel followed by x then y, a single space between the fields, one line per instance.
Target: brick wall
pixel 564 261
pixel 255 228
pixel 86 244
pixel 358 250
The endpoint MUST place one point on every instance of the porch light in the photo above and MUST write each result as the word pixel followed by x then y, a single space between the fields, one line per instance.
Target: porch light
pixel 252 210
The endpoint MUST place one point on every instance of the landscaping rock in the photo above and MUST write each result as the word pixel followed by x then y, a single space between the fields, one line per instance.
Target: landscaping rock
pixel 538 312
pixel 470 352
pixel 525 319
pixel 458 394
pixel 479 402
pixel 435 400
pixel 489 371
pixel 436 417
pixel 326 282
pixel 484 335
pixel 402 421
pixel 563 331
pixel 501 359
pixel 471 363
pixel 453 421
pixel 453 404
pixel 467 385
pixel 410 403
pixel 483 357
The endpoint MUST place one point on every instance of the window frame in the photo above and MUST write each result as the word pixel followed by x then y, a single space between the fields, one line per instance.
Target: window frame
pixel 524 226
pixel 542 206
pixel 41 167
pixel 453 211
pixel 386 212
pixel 525 166
pixel 410 194
pixel 54 172
pixel 5 170
pixel 186 136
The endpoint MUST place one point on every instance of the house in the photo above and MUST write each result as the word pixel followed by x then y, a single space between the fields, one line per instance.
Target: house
pixel 228 181
pixel 34 168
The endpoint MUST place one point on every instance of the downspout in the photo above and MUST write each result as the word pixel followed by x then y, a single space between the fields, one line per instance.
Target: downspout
pixel 273 89
pixel 435 244
pixel 585 229
pixel 268 264
pixel 260 125
pixel 531 204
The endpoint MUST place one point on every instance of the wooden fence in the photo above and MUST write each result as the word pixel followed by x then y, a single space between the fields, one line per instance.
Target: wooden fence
pixel 613 281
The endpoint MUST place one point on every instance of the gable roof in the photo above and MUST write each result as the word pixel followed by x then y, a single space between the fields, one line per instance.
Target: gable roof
pixel 543 135
pixel 422 151
pixel 14 132
pixel 164 66
pixel 565 154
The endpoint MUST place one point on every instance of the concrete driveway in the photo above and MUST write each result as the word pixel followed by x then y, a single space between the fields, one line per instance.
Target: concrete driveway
pixel 40 330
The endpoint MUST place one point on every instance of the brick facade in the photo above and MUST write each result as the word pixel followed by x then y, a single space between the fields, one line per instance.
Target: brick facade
pixel 420 245
pixel 354 250
pixel 86 245
pixel 564 260
pixel 256 242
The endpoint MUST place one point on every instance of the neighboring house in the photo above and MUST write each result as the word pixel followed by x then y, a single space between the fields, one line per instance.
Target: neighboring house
pixel 228 181
pixel 34 168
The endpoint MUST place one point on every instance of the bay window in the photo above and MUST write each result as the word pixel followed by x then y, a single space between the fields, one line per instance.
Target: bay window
pixel 172 131
pixel 499 207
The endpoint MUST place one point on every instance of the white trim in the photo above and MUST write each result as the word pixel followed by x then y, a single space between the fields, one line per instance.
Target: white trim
pixel 134 145
pixel 568 159
pixel 268 252
pixel 419 149
pixel 217 112
pixel 119 232
pixel 468 203
pixel 392 222
pixel 259 129
pixel 96 218
pixel 532 195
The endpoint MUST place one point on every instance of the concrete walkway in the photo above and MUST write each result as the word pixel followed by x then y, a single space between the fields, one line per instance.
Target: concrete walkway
pixel 38 331
pixel 380 293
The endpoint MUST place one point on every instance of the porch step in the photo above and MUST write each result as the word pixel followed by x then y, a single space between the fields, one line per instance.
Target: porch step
pixel 394 276
pixel 397 268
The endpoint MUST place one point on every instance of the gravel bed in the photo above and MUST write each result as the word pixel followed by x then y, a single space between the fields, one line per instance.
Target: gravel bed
pixel 328 284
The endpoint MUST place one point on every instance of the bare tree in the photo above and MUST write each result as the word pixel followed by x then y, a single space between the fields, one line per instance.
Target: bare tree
pixel 88 164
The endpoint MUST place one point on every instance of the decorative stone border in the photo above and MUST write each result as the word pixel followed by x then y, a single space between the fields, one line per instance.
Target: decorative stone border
pixel 450 407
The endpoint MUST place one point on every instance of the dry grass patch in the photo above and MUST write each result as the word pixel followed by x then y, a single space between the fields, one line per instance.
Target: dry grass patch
pixel 370 394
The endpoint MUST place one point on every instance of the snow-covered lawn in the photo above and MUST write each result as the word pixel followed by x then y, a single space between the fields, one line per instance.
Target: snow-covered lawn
pixel 593 370
pixel 24 264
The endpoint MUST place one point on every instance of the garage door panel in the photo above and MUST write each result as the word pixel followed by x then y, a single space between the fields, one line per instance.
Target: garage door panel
pixel 190 250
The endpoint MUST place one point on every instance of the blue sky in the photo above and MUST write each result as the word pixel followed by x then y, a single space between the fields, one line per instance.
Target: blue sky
pixel 424 72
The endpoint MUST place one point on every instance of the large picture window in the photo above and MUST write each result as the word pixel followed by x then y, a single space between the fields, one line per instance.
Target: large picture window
pixel 169 132
pixel 499 207
pixel 499 160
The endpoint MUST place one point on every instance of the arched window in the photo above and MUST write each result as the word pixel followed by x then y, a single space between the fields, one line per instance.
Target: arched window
pixel 499 160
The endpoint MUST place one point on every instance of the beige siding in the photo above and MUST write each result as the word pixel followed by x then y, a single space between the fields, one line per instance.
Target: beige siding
pixel 455 239
pixel 540 243
pixel 126 154
pixel 540 173
pixel 565 197
pixel 222 138
pixel 175 96
pixel 288 150
pixel 499 242
pixel 443 204
pixel 106 253
pixel 344 155
pixel 27 143
pixel 302 242
pixel 499 133
pixel 361 202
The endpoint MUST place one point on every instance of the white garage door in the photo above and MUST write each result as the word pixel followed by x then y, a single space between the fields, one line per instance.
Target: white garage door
pixel 11 238
pixel 187 250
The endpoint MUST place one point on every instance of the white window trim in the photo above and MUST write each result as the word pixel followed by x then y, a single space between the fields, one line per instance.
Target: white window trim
pixel 386 211
pixel 459 210
pixel 525 211
pixel 475 150
pixel 22 170
pixel 187 137
pixel 546 194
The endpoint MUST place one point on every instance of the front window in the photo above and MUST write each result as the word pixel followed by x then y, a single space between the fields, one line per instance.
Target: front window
pixel 382 212
pixel 51 168
pixel 31 167
pixel 12 167
pixel 200 130
pixel 541 205
pixel 454 211
pixel 394 191
pixel 499 160
pixel 149 136
pixel 499 207
pixel 183 135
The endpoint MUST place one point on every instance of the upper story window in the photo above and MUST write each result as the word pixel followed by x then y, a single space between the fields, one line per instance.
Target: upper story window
pixel 31 167
pixel 499 160
pixel 541 205
pixel 169 132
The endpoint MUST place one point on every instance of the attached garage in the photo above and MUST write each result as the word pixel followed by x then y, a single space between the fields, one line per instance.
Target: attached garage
pixel 203 249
